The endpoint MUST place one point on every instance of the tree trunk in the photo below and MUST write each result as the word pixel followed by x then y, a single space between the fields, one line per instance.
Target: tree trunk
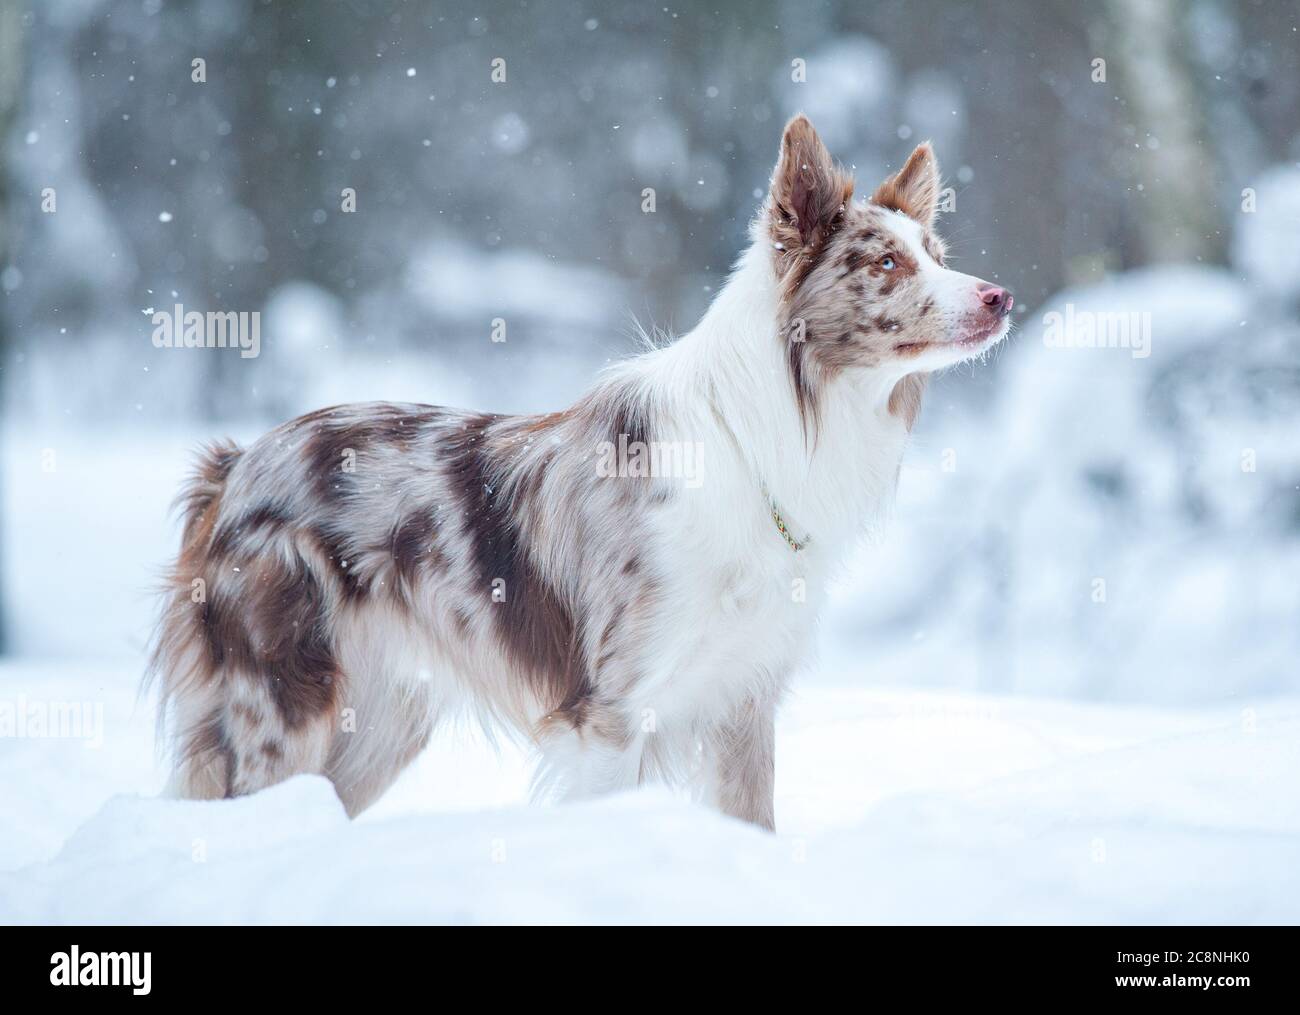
pixel 1179 221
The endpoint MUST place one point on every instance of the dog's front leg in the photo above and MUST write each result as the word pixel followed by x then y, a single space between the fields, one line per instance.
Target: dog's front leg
pixel 740 763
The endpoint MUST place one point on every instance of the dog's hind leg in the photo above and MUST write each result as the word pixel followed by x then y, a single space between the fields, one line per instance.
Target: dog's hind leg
pixel 250 681
pixel 243 744
pixel 382 732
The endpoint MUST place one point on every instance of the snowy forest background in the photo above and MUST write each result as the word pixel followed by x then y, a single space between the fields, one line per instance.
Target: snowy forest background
pixel 1172 479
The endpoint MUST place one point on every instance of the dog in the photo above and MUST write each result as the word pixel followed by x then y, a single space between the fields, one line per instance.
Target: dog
pixel 364 572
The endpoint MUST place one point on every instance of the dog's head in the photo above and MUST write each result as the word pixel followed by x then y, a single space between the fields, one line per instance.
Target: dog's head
pixel 864 285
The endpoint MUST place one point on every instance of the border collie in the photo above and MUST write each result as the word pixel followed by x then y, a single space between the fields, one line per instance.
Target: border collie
pixel 365 571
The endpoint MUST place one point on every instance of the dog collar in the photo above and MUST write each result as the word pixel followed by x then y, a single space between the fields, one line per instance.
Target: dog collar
pixel 795 544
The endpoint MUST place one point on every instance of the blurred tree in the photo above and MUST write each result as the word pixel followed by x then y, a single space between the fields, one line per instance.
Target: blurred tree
pixel 11 70
pixel 1175 168
pixel 1057 178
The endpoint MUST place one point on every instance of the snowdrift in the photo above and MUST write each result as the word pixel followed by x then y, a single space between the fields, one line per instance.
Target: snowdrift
pixel 891 807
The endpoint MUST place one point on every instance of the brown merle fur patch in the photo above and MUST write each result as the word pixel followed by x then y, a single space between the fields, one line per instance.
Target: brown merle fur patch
pixel 275 630
pixel 533 623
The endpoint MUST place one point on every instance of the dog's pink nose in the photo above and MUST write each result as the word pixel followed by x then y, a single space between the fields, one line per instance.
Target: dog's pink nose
pixel 997 299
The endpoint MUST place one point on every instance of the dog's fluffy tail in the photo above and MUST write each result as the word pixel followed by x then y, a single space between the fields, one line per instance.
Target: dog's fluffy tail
pixel 206 484
pixel 179 660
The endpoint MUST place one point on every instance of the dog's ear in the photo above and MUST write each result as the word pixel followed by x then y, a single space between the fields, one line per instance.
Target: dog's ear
pixel 809 193
pixel 914 189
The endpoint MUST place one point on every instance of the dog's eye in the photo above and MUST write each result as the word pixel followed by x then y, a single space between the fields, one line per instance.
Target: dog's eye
pixel 887 263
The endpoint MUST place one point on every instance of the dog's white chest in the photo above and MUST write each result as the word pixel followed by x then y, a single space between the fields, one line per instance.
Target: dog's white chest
pixel 742 627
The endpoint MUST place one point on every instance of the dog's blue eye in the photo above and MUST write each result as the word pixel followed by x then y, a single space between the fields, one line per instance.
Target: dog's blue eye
pixel 887 263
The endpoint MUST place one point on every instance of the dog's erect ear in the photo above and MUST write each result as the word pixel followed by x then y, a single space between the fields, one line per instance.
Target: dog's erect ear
pixel 914 189
pixel 810 193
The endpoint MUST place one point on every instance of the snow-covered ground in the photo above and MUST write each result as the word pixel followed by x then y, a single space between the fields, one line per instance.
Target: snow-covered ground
pixel 894 807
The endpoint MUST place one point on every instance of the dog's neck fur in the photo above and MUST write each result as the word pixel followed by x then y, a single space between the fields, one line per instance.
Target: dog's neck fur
pixel 728 381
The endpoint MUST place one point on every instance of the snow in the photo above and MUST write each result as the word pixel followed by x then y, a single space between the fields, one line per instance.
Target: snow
pixel 891 807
